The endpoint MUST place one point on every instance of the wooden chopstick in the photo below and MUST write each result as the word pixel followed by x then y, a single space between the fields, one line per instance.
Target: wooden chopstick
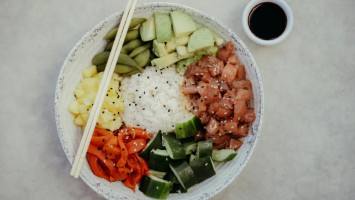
pixel 104 84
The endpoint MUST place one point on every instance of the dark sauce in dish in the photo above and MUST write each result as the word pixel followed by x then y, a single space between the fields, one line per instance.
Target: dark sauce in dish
pixel 267 21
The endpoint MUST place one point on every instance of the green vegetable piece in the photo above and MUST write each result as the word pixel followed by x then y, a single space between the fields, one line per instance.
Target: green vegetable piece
pixel 192 158
pixel 218 41
pixel 154 143
pixel 159 49
pixel 163 27
pixel 200 39
pixel 147 30
pixel 223 155
pixel 157 173
pixel 203 168
pixel 143 58
pixel 204 148
pixel 182 65
pixel 190 145
pixel 131 72
pixel 111 34
pixel 131 35
pixel 155 187
pixel 124 59
pixel 171 45
pixel 177 188
pixel 165 61
pixel 183 23
pixel 182 52
pixel 131 45
pixel 100 58
pixel 109 46
pixel 187 128
pixel 158 160
pixel 182 41
pixel 173 146
pixel 123 69
pixel 184 174
pixel 136 21
pixel 139 50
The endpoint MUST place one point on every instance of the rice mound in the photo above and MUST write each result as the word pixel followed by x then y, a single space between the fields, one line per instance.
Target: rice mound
pixel 153 100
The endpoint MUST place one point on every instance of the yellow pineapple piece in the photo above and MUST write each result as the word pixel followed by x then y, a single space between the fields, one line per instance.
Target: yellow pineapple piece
pixel 89 71
pixel 90 84
pixel 79 121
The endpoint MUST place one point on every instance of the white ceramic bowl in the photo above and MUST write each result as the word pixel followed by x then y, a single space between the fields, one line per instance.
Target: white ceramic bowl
pixel 283 36
pixel 92 43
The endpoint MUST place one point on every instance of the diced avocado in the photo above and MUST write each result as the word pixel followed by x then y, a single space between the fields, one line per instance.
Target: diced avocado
pixel 147 29
pixel 183 64
pixel 210 51
pixel 183 23
pixel 200 39
pixel 171 45
pixel 218 41
pixel 166 60
pixel 163 27
pixel 182 52
pixel 159 49
pixel 182 41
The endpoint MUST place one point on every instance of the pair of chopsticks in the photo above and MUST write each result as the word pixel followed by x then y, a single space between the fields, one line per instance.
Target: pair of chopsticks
pixel 104 84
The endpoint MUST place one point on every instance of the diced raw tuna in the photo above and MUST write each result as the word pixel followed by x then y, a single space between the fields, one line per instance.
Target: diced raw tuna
pixel 243 84
pixel 233 59
pixel 241 74
pixel 243 95
pixel 239 110
pixel 187 90
pixel 212 127
pixel 228 73
pixel 234 144
pixel 249 115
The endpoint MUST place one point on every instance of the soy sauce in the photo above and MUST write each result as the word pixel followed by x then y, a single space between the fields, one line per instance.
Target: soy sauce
pixel 267 21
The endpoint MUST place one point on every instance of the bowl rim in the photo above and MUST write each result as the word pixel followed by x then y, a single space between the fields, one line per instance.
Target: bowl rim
pixel 59 85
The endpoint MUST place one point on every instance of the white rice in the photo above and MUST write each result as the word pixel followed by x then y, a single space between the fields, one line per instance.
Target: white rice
pixel 153 100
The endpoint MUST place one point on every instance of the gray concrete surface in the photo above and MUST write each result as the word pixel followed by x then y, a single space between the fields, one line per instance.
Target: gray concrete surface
pixel 307 145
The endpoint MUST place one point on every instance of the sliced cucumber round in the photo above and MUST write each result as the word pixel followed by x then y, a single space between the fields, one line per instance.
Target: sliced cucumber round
pixel 204 148
pixel 223 155
pixel 203 168
pixel 155 187
pixel 173 147
pixel 183 173
pixel 187 128
pixel 155 143
pixel 157 173
pixel 158 160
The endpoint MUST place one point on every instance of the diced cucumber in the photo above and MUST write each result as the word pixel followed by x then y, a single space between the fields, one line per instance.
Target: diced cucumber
pixel 223 155
pixel 177 188
pixel 192 158
pixel 189 145
pixel 169 176
pixel 158 160
pixel 203 168
pixel 147 29
pixel 204 148
pixel 163 27
pixel 184 174
pixel 154 143
pixel 157 173
pixel 173 147
pixel 187 128
pixel 155 187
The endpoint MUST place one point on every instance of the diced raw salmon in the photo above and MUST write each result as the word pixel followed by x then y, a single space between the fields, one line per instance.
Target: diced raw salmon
pixel 239 110
pixel 209 93
pixel 243 84
pixel 187 90
pixel 223 54
pixel 213 108
pixel 204 117
pixel 230 47
pixel 234 144
pixel 223 86
pixel 242 131
pixel 229 127
pixel 226 103
pixel 216 69
pixel 228 73
pixel 241 74
pixel 249 115
pixel 223 113
pixel 233 59
pixel 200 135
pixel 212 127
pixel 243 95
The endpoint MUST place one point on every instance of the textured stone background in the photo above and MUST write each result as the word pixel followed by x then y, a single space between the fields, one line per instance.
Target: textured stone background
pixel 306 149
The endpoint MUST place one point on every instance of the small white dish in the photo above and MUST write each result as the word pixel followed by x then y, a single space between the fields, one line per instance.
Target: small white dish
pixel 245 21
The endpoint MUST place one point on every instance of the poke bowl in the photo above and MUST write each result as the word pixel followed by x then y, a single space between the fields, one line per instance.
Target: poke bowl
pixel 92 43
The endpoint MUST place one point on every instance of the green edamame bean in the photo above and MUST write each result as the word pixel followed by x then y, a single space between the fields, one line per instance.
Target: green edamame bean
pixel 142 59
pixel 109 46
pixel 101 58
pixel 136 21
pixel 131 45
pixel 131 73
pixel 139 50
pixel 100 68
pixel 111 34
pixel 124 59
pixel 131 35
pixel 123 69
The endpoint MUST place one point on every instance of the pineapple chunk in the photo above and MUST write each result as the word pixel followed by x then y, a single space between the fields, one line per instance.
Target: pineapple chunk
pixel 74 107
pixel 85 101
pixel 79 121
pixel 85 116
pixel 79 92
pixel 89 71
pixel 89 84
